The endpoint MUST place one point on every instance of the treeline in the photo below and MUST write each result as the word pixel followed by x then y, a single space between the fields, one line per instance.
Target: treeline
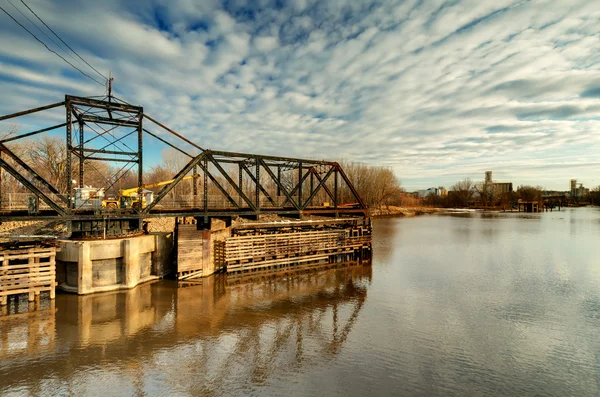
pixel 377 186
pixel 466 193
pixel 47 156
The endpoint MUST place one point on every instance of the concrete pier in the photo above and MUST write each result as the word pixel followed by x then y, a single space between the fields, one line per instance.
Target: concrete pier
pixel 87 267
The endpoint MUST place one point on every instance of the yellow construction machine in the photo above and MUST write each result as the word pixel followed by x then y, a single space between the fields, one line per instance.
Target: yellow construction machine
pixel 129 198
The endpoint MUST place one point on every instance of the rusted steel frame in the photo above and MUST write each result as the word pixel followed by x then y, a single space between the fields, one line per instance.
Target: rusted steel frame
pixel 115 138
pixel 34 174
pixel 104 120
pixel 272 158
pixel 81 156
pixel 140 156
pixel 98 135
pixel 324 186
pixel 207 173
pixel 31 187
pixel 108 159
pixel 295 189
pixel 167 188
pixel 319 186
pixel 14 138
pixel 77 100
pixel 109 152
pixel 167 143
pixel 69 142
pixel 278 183
pixel 335 189
pixel 173 132
pixel 351 187
pixel 230 181
pixel 262 189
pixel 257 190
pixel 23 113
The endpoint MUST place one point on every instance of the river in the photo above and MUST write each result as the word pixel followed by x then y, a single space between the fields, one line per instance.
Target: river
pixel 482 304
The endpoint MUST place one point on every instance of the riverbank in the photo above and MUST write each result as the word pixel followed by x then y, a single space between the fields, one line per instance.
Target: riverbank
pixel 393 211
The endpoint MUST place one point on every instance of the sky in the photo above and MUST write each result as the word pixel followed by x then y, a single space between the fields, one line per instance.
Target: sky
pixel 436 90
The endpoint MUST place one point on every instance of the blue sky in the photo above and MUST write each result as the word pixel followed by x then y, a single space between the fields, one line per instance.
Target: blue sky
pixel 437 90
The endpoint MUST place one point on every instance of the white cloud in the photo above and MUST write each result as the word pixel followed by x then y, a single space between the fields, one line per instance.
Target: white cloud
pixel 437 90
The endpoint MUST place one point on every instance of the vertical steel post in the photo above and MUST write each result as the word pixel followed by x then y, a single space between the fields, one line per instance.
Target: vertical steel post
pixel 205 197
pixel 312 183
pixel 1 172
pixel 81 155
pixel 69 140
pixel 257 201
pixel 300 184
pixel 335 188
pixel 195 183
pixel 240 183
pixel 140 155
pixel 278 180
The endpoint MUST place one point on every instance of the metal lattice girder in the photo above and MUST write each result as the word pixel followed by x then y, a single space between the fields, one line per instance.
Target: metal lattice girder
pixel 106 129
pixel 279 184
pixel 260 187
pixel 33 174
pixel 319 186
pixel 34 189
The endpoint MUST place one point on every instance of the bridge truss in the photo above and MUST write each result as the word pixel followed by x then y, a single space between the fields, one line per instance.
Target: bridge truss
pixel 224 184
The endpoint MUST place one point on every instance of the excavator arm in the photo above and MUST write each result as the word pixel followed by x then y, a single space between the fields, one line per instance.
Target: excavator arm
pixel 134 190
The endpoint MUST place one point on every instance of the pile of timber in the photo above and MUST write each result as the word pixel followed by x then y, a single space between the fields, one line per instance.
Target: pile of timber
pixel 276 250
pixel 27 270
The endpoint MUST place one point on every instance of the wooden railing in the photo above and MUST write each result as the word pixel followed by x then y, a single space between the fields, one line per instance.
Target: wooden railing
pixel 27 271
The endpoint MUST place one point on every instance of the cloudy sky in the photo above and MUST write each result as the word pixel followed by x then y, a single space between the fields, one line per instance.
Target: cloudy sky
pixel 437 90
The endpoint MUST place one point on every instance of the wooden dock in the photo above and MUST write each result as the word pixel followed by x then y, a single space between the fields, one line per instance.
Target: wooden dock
pixel 277 250
pixel 27 270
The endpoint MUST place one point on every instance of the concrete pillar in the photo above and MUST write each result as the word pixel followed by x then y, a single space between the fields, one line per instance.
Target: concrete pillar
pixel 84 268
pixel 131 262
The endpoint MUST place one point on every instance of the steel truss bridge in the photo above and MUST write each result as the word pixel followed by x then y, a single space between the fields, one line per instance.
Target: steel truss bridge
pixel 106 129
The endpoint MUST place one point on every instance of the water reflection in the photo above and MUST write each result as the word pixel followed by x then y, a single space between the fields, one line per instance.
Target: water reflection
pixel 211 336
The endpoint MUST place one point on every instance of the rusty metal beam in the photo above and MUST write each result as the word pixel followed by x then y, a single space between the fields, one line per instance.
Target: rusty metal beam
pixel 167 188
pixel 77 100
pixel 104 151
pixel 31 187
pixel 319 186
pixel 14 138
pixel 231 182
pixel 278 183
pixel 34 174
pixel 167 143
pixel 173 132
pixel 25 112
pixel 262 189
pixel 351 186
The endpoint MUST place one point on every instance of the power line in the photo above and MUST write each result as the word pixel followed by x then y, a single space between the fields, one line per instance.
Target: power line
pixel 45 34
pixel 69 47
pixel 49 49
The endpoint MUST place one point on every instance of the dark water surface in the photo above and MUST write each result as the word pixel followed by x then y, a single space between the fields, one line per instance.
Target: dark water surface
pixel 470 304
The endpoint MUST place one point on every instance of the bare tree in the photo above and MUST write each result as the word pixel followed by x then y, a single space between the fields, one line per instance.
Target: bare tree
pixel 48 157
pixel 462 192
pixel 529 193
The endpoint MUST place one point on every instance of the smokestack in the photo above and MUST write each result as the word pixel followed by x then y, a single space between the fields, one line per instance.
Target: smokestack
pixel 488 177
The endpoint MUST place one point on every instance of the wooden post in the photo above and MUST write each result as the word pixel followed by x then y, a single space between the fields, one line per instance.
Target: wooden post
pixel 32 269
pixel 3 292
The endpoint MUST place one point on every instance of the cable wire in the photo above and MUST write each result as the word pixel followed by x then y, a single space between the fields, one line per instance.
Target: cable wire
pixel 49 49
pixel 45 34
pixel 69 47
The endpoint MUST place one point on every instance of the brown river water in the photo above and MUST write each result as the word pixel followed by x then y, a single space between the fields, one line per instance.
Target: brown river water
pixel 469 304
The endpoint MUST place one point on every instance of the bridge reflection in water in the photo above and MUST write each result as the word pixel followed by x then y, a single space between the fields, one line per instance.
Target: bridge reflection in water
pixel 195 338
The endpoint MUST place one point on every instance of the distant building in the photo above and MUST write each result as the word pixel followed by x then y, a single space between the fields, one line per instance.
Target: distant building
pixel 497 187
pixel 432 191
pixel 578 191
